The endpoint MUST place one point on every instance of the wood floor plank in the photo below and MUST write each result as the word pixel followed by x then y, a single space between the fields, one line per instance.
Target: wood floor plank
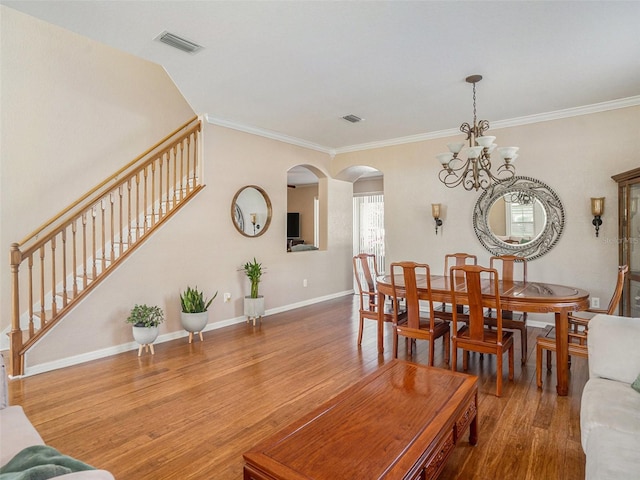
pixel 192 410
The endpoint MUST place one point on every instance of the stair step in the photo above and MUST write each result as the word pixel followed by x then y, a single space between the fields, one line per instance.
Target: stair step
pixel 70 294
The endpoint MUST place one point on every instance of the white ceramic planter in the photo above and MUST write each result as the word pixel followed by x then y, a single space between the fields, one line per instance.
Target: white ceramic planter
pixel 254 308
pixel 194 322
pixel 145 336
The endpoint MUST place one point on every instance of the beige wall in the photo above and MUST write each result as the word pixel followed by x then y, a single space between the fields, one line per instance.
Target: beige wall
pixel 73 112
pixel 575 156
pixel 368 186
pixel 81 99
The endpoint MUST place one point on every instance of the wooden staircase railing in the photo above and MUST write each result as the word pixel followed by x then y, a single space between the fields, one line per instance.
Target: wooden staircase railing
pixel 73 252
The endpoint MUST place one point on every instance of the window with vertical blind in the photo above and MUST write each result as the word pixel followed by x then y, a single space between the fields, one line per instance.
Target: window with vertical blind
pixel 520 220
pixel 368 226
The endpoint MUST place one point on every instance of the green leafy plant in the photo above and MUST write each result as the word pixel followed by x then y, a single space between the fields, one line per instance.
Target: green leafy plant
pixel 145 316
pixel 253 270
pixel 193 301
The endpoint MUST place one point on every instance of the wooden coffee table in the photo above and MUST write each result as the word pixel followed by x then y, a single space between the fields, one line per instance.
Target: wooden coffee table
pixel 400 422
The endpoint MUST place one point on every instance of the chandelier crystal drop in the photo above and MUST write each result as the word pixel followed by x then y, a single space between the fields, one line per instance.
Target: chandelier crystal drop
pixel 475 172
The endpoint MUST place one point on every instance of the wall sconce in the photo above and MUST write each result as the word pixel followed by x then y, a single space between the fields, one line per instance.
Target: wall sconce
pixel 256 226
pixel 435 211
pixel 597 210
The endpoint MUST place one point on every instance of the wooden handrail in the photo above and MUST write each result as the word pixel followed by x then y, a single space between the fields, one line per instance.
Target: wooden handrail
pixel 74 251
pixel 54 219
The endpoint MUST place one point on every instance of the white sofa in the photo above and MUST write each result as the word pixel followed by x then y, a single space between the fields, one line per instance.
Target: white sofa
pixel 17 433
pixel 610 408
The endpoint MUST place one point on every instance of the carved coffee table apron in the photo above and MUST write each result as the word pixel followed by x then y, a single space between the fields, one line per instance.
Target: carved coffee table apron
pixel 400 422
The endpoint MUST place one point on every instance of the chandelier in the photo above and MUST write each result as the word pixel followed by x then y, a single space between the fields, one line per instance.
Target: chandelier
pixel 475 172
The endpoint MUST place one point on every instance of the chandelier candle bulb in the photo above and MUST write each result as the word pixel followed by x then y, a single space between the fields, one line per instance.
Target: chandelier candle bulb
pixel 507 152
pixel 474 152
pixel 485 141
pixel 455 147
pixel 444 158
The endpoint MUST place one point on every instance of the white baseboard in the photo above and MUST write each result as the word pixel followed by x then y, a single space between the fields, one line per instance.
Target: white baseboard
pixel 107 352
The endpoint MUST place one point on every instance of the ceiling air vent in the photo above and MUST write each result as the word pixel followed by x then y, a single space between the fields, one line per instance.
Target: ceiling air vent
pixel 352 118
pixel 178 42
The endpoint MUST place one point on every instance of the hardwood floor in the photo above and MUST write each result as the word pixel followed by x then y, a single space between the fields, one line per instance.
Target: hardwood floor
pixel 191 410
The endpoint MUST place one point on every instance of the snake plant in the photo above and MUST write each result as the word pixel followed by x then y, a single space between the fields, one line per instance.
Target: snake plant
pixel 193 301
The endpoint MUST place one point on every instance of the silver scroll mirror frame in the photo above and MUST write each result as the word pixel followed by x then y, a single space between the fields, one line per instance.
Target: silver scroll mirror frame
pixel 534 190
pixel 251 211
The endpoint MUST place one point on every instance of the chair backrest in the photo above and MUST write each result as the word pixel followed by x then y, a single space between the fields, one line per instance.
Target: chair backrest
pixel 406 274
pixel 617 293
pixel 363 263
pixel 509 268
pixel 481 285
pixel 457 260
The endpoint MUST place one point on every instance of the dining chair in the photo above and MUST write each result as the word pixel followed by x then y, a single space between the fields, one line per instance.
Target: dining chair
pixel 417 327
pixel 579 325
pixel 513 268
pixel 481 287
pixel 577 347
pixel 365 269
pixel 581 318
pixel 443 311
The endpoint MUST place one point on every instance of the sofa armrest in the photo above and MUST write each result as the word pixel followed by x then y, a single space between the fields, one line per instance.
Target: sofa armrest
pixel 17 433
pixel 614 347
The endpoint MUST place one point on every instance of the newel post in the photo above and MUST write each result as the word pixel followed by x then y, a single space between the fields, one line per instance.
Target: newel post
pixel 16 364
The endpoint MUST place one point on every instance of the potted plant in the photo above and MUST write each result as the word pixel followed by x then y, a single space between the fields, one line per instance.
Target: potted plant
pixel 194 315
pixel 254 303
pixel 145 321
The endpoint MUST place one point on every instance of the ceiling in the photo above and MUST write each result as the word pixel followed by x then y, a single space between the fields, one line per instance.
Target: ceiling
pixel 293 69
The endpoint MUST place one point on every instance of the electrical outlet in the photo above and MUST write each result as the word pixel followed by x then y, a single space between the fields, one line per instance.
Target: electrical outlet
pixel 595 302
pixel 304 282
pixel 227 297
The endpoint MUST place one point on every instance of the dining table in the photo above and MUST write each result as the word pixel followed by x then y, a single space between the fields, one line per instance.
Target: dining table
pixel 517 296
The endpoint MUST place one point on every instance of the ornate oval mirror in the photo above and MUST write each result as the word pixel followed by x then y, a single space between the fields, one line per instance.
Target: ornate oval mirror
pixel 251 211
pixel 521 216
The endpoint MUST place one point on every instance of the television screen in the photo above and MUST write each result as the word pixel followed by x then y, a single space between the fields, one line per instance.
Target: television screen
pixel 293 225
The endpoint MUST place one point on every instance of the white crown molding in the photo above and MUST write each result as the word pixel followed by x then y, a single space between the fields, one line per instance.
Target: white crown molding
pixel 268 134
pixel 512 122
pixel 569 112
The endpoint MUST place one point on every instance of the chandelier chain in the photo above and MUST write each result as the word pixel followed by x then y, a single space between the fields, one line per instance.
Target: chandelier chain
pixel 475 121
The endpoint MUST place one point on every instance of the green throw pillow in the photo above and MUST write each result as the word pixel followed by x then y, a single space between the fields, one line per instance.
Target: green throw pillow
pixel 636 384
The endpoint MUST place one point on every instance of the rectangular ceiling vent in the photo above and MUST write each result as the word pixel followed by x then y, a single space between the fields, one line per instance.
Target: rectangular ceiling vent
pixel 352 118
pixel 178 42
